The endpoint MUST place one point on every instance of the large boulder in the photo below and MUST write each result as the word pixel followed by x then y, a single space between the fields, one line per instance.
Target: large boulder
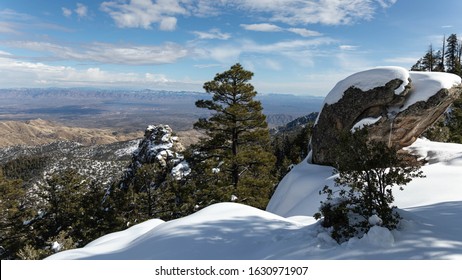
pixel 395 105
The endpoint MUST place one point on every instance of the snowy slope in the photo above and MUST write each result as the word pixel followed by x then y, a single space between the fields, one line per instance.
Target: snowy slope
pixel 431 229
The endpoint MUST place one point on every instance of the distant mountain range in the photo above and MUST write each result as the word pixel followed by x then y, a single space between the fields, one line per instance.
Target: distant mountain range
pixel 130 111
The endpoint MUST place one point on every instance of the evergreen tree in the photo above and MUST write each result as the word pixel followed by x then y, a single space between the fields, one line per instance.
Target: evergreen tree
pixel 448 128
pixel 454 122
pixel 290 148
pixel 238 141
pixel 452 53
pixel 15 211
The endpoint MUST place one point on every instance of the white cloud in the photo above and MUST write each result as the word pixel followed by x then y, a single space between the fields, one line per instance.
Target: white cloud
pixel 348 47
pixel 224 54
pixel 403 60
pixel 386 3
pixel 66 12
pixel 268 27
pixel 204 66
pixel 28 74
pixel 9 14
pixel 108 53
pixel 144 13
pixel 2 53
pixel 304 32
pixel 167 24
pixel 286 46
pixel 262 27
pixel 272 64
pixel 294 12
pixel 81 10
pixel 298 51
pixel 212 34
pixel 6 27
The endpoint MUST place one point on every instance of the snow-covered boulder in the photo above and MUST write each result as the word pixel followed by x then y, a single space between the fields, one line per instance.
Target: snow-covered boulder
pixel 396 106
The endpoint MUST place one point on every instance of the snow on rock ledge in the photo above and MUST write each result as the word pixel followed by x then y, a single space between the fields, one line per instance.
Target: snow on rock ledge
pixel 402 104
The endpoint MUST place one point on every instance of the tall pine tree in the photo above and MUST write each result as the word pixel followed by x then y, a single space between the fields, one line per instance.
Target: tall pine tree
pixel 234 160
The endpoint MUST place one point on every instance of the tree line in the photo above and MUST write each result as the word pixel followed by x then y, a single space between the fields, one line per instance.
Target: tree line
pixel 447 59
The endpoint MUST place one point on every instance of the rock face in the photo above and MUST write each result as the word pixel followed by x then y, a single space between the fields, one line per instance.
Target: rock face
pixel 395 105
pixel 159 146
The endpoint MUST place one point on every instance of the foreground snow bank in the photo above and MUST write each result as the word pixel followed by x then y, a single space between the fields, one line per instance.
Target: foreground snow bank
pixel 220 231
pixel 298 193
pixel 431 208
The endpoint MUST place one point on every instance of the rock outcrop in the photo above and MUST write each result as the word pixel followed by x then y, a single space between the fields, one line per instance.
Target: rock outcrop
pixel 395 105
pixel 159 145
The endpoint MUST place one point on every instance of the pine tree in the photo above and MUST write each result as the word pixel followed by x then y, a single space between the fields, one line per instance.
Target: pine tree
pixel 443 55
pixel 452 60
pixel 235 156
pixel 428 61
pixel 15 211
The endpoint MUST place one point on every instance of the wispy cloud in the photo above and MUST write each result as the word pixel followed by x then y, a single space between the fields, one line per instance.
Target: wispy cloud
pixel 7 27
pixel 299 51
pixel 269 27
pixel 212 34
pixel 8 14
pixel 107 53
pixel 19 73
pixel 145 13
pixel 294 12
pixel 262 27
pixel 66 12
pixel 81 10
pixel 403 60
pixel 348 47
pixel 304 32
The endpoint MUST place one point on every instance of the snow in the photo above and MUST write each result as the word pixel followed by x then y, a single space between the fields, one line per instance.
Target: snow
pixel 128 150
pixel 375 220
pixel 424 85
pixel 56 247
pixel 431 208
pixel 365 122
pixel 181 170
pixel 427 84
pixel 367 80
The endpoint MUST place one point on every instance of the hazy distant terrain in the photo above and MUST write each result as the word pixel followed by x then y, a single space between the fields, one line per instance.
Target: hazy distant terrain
pixel 131 111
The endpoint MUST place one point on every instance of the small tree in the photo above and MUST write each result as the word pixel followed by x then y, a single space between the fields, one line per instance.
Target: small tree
pixel 362 196
pixel 235 156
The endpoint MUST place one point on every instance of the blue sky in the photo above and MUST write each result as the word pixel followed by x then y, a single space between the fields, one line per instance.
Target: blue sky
pixel 292 46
